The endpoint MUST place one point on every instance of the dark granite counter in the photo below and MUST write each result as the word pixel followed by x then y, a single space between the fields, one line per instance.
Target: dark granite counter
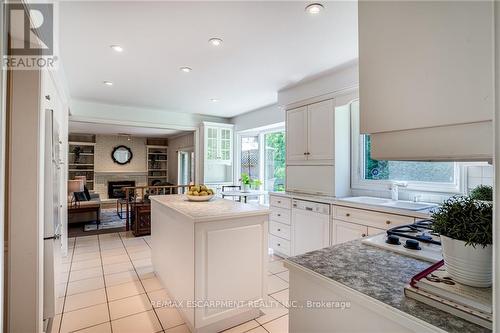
pixel 381 275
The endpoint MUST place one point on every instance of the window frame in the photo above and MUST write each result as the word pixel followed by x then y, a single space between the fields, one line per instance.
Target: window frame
pixel 261 133
pixel 358 161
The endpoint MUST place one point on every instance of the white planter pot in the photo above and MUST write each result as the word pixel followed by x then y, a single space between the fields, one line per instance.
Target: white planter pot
pixel 466 264
pixel 245 187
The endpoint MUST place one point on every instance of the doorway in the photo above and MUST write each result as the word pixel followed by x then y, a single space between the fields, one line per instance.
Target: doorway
pixel 185 167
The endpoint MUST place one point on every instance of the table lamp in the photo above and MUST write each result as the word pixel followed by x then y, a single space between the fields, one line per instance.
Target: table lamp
pixel 75 185
pixel 82 178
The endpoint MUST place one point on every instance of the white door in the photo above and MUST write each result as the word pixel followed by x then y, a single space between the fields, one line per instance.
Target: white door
pixel 321 130
pixel 311 231
pixel 345 232
pixel 296 134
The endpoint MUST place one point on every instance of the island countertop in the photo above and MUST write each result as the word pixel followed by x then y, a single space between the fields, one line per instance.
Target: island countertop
pixel 213 210
pixel 381 275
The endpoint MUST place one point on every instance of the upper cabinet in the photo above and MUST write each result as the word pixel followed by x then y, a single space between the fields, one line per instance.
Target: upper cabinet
pixel 217 153
pixel 310 133
pixel 426 77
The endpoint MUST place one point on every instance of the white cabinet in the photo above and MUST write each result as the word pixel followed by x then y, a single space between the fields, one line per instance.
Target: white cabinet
pixel 318 149
pixel 422 69
pixel 310 132
pixel 280 225
pixel 296 134
pixel 217 153
pixel 310 231
pixel 345 231
pixel 354 223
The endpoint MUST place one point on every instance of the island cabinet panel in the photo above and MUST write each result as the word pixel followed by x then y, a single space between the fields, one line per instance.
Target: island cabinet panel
pixel 211 257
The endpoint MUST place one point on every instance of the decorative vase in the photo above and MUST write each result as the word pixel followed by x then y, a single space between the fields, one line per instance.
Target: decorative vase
pixel 472 266
pixel 245 187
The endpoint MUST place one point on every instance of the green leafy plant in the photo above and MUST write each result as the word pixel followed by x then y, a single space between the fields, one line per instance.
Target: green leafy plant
pixel 482 192
pixel 463 218
pixel 245 179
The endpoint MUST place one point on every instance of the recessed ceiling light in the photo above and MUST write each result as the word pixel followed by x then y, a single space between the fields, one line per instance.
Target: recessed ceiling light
pixel 186 69
pixel 214 100
pixel 116 48
pixel 215 41
pixel 107 83
pixel 314 8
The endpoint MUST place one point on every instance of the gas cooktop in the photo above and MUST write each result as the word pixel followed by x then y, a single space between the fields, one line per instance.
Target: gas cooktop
pixel 413 240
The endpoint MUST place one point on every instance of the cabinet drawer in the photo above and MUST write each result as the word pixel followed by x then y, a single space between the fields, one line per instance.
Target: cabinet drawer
pixel 282 202
pixel 279 245
pixel 369 218
pixel 280 215
pixel 279 229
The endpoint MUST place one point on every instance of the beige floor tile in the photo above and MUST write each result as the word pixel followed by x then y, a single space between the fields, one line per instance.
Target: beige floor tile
pixel 56 323
pixel 117 268
pixel 159 298
pixel 178 329
pixel 61 289
pixel 129 306
pixel 138 248
pixel 124 290
pixel 284 275
pixel 272 311
pixel 152 284
pixel 276 267
pixel 63 277
pixel 245 327
pixel 83 318
pixel 274 257
pixel 141 263
pixel 169 317
pixel 79 265
pixel 279 325
pixel 259 329
pixel 145 322
pixel 134 242
pixel 88 245
pixel 275 284
pixel 86 256
pixel 86 299
pixel 86 249
pixel 119 278
pixel 82 286
pixel 140 255
pixel 59 305
pixel 113 252
pixel 101 328
pixel 115 244
pixel 126 234
pixel 115 259
pixel 85 274
pixel 282 297
pixel 146 272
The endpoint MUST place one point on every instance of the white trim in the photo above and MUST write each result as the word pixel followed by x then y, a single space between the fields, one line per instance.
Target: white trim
pixel 358 183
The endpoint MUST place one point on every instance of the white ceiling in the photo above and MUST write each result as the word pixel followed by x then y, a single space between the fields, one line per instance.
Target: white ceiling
pixel 111 129
pixel 267 46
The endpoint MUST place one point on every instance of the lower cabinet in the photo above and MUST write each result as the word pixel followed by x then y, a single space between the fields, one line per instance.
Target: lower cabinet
pixel 345 231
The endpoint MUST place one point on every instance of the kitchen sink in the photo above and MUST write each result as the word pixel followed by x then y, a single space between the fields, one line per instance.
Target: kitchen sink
pixel 399 204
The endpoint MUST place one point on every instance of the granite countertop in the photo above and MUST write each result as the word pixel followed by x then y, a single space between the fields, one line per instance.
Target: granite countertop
pixel 213 210
pixel 422 214
pixel 381 275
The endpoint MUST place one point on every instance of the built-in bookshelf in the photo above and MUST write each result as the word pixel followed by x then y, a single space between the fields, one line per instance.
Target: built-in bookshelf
pixel 81 159
pixel 157 164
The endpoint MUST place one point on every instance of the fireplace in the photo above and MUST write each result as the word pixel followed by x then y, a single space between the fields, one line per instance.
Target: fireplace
pixel 115 188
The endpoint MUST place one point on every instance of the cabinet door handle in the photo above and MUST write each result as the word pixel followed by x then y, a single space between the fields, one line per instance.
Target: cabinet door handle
pixel 278 215
pixel 387 222
pixel 308 153
pixel 279 244
pixel 363 235
pixel 347 214
pixel 305 153
pixel 279 201
pixel 279 229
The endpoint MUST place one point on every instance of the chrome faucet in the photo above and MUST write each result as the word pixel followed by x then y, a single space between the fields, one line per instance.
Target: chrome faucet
pixel 395 189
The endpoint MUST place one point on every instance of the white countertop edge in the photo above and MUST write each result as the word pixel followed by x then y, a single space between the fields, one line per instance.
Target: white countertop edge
pixel 339 202
pixel 259 210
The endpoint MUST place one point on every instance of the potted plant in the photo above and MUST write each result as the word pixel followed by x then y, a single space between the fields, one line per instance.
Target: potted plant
pixel 482 192
pixel 246 181
pixel 466 230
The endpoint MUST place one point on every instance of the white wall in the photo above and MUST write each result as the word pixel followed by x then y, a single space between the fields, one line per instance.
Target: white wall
pixel 334 81
pixel 265 116
pixel 183 142
pixel 82 110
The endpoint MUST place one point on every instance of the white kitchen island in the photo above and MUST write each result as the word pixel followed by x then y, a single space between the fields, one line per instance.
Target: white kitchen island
pixel 211 257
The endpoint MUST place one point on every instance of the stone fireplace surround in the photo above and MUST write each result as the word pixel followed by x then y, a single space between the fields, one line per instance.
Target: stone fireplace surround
pixel 102 179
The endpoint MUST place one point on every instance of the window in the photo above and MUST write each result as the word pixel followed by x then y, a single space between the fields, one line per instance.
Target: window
pixel 367 173
pixel 274 168
pixel 250 156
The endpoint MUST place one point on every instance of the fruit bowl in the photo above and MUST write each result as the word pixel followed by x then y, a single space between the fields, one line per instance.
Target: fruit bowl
pixel 199 198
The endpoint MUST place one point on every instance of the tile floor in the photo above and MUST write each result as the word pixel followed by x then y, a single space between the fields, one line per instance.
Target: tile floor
pixel 110 286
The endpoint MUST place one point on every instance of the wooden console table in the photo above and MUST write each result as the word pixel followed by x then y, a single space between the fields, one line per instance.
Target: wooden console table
pixel 85 208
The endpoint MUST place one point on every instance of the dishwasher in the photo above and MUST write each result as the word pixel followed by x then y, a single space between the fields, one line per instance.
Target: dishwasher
pixel 310 226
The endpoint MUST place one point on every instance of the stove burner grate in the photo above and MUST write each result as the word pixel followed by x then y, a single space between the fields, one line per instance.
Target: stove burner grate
pixel 420 231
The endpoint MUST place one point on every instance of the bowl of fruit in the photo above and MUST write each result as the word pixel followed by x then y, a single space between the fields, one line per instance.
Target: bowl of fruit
pixel 199 193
